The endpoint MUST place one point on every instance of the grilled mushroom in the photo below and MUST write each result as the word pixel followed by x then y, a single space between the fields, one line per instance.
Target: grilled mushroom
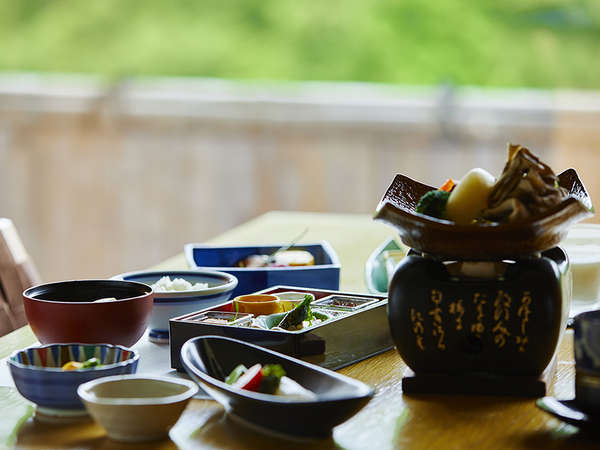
pixel 527 187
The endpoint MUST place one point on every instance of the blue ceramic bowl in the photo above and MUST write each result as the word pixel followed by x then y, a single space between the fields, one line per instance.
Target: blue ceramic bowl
pixel 587 341
pixel 177 303
pixel 587 360
pixel 38 375
pixel 324 274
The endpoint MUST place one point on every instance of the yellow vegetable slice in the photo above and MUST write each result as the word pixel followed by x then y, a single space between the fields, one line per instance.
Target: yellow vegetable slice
pixel 72 365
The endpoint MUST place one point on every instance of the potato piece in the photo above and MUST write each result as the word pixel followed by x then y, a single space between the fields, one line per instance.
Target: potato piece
pixel 470 196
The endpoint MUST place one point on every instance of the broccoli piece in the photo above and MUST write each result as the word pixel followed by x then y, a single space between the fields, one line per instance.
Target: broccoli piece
pixel 433 204
pixel 271 377
pixel 92 362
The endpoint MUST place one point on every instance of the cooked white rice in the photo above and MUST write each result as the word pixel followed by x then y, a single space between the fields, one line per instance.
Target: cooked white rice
pixel 177 285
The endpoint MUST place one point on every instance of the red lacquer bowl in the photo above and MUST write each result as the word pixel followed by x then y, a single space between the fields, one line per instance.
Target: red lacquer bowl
pixel 68 311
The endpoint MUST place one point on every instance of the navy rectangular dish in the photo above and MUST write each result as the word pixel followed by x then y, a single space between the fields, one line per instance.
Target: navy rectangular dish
pixel 324 274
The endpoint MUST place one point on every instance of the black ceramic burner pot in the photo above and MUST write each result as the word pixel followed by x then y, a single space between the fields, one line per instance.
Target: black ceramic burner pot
pixel 484 318
pixel 480 308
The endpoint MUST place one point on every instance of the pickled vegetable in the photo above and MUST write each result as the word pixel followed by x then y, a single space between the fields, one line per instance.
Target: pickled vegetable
pixel 235 374
pixel 76 365
pixel 268 379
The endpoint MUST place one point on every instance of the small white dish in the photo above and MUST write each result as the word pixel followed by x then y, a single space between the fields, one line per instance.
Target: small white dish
pixel 136 408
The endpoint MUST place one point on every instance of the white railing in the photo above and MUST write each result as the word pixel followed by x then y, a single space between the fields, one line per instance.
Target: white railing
pixel 140 164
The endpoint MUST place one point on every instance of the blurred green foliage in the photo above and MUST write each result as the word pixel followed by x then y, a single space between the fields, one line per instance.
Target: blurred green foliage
pixel 539 43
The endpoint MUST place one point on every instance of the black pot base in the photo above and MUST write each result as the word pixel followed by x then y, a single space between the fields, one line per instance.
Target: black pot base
pixel 507 385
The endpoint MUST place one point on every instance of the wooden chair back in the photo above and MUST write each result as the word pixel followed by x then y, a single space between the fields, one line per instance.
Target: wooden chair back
pixel 17 273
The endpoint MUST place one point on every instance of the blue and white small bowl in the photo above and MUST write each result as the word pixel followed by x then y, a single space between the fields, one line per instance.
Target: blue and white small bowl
pixel 38 375
pixel 177 303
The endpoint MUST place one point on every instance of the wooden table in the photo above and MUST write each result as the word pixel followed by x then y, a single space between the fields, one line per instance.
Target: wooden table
pixel 390 420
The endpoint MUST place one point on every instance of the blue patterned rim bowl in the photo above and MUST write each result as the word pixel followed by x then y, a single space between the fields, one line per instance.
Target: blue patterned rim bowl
pixel 587 360
pixel 177 303
pixel 38 375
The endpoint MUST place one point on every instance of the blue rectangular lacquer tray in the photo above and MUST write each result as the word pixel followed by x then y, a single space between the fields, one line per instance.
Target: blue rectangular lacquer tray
pixel 324 274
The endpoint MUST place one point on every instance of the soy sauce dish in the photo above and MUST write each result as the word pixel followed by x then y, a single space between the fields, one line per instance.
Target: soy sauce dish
pixel 210 359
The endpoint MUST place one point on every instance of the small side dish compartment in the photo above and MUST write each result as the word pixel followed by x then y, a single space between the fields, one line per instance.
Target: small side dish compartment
pixel 344 302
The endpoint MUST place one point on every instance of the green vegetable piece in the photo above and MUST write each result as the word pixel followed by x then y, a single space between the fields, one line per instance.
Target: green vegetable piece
pixel 320 316
pixel 235 374
pixel 297 315
pixel 272 374
pixel 433 204
pixel 236 305
pixel 92 362
pixel 272 320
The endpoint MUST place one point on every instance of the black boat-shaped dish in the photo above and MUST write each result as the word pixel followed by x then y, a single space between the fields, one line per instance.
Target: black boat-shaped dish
pixel 569 412
pixel 209 359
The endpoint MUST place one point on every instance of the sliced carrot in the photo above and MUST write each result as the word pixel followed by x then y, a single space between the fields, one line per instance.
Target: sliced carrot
pixel 448 185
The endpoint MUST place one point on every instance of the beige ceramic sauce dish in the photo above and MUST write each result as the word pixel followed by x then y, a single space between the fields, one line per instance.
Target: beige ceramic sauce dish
pixel 136 408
